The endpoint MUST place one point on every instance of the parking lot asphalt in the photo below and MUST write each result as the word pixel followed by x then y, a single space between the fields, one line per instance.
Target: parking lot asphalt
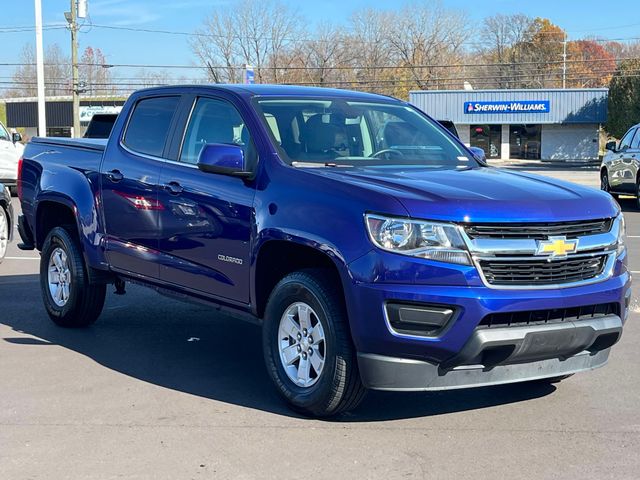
pixel 160 389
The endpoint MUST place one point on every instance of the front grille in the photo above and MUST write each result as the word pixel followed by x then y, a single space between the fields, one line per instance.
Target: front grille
pixel 539 231
pixel 541 272
pixel 558 315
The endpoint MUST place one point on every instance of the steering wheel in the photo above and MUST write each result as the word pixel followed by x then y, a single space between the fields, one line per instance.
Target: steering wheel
pixel 385 151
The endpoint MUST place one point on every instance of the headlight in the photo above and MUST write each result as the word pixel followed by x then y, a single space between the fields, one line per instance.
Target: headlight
pixel 622 235
pixel 432 240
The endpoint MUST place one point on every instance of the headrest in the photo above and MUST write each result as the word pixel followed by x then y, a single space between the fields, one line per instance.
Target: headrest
pixel 320 134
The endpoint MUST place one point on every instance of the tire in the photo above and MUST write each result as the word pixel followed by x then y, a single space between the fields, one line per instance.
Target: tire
pixel 318 391
pixel 4 233
pixel 13 191
pixel 638 193
pixel 604 184
pixel 73 301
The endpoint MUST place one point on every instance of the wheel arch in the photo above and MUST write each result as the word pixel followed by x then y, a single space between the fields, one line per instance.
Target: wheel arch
pixel 277 257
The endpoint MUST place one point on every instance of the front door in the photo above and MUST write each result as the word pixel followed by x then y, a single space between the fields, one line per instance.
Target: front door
pixel 207 218
pixel 621 175
pixel 129 185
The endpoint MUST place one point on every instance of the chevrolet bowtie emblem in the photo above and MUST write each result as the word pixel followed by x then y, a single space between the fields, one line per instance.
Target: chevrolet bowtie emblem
pixel 557 247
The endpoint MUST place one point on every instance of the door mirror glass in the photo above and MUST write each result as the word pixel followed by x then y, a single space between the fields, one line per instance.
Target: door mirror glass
pixel 611 146
pixel 16 137
pixel 223 159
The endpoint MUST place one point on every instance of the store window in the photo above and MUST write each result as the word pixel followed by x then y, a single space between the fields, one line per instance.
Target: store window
pixel 525 141
pixel 487 137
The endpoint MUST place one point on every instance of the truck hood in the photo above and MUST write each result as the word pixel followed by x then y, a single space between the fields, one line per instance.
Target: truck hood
pixel 480 195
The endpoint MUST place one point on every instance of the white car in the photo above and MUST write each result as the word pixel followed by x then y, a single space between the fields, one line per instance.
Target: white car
pixel 10 151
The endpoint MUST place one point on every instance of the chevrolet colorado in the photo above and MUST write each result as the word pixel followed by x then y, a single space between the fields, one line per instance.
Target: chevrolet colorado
pixel 374 248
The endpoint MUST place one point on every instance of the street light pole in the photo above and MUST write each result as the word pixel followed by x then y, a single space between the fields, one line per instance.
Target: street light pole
pixel 42 112
pixel 73 25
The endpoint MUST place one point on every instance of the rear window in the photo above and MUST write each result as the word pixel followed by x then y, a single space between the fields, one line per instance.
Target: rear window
pixel 149 125
pixel 100 126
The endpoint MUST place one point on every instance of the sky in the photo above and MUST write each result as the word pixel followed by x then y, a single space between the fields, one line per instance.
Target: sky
pixel 579 18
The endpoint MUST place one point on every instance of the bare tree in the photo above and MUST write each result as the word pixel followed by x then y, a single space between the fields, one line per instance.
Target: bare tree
pixel 57 73
pixel 425 35
pixel 255 32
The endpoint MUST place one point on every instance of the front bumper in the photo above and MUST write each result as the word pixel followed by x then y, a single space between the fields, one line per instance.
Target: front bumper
pixel 501 355
pixel 391 360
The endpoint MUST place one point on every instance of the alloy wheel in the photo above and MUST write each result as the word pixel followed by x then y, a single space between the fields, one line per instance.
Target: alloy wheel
pixel 59 277
pixel 301 344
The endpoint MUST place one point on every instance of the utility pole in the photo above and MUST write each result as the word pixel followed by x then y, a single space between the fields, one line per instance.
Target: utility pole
pixel 564 62
pixel 72 18
pixel 42 115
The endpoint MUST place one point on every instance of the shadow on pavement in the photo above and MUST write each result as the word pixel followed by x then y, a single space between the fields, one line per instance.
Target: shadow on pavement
pixel 194 349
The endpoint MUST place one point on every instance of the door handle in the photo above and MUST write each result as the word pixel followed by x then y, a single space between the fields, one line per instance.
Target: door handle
pixel 174 188
pixel 115 176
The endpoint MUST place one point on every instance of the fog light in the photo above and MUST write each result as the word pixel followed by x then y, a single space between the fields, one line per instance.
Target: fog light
pixel 423 320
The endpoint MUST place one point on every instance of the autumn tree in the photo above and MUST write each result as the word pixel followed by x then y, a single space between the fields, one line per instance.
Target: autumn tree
pixel 95 74
pixel 624 98
pixel 590 64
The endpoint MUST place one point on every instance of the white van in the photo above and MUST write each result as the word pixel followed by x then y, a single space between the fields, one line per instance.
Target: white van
pixel 10 151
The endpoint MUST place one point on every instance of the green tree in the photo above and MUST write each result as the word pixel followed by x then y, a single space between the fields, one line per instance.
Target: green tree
pixel 624 98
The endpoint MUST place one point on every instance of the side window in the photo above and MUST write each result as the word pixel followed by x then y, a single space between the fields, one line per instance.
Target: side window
pixel 4 135
pixel 635 143
pixel 149 125
pixel 626 140
pixel 214 121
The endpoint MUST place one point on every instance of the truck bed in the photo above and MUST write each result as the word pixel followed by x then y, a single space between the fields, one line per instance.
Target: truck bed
pixel 85 143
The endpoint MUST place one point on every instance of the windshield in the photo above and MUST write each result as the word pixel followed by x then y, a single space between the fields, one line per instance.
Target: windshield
pixel 341 132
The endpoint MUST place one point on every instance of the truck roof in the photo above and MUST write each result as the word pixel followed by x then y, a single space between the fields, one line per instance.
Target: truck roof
pixel 281 91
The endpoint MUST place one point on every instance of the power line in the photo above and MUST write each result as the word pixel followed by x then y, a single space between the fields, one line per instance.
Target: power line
pixel 339 67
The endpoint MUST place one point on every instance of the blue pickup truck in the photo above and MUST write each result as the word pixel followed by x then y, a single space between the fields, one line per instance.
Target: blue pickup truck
pixel 376 251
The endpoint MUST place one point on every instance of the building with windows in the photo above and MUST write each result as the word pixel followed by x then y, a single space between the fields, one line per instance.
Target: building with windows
pixel 22 113
pixel 552 124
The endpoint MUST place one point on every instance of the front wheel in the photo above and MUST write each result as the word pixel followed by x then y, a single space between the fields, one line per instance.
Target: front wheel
pixel 604 184
pixel 307 346
pixel 70 299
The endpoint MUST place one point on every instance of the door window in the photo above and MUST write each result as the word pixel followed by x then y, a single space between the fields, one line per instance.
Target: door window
pixel 626 140
pixel 525 141
pixel 4 135
pixel 635 143
pixel 214 121
pixel 488 138
pixel 149 125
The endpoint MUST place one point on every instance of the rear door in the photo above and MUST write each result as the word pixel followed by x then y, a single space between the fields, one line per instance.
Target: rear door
pixel 207 222
pixel 129 180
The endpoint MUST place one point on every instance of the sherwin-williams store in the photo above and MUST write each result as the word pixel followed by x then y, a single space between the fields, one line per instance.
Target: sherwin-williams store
pixel 554 124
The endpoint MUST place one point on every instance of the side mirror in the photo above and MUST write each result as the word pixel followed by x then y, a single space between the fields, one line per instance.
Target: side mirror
pixel 478 153
pixel 16 137
pixel 611 146
pixel 223 159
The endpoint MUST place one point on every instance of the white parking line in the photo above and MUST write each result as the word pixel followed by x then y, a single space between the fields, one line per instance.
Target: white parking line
pixel 22 258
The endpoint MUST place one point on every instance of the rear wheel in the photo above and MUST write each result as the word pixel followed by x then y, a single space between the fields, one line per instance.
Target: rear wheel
pixel 4 233
pixel 307 345
pixel 69 298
